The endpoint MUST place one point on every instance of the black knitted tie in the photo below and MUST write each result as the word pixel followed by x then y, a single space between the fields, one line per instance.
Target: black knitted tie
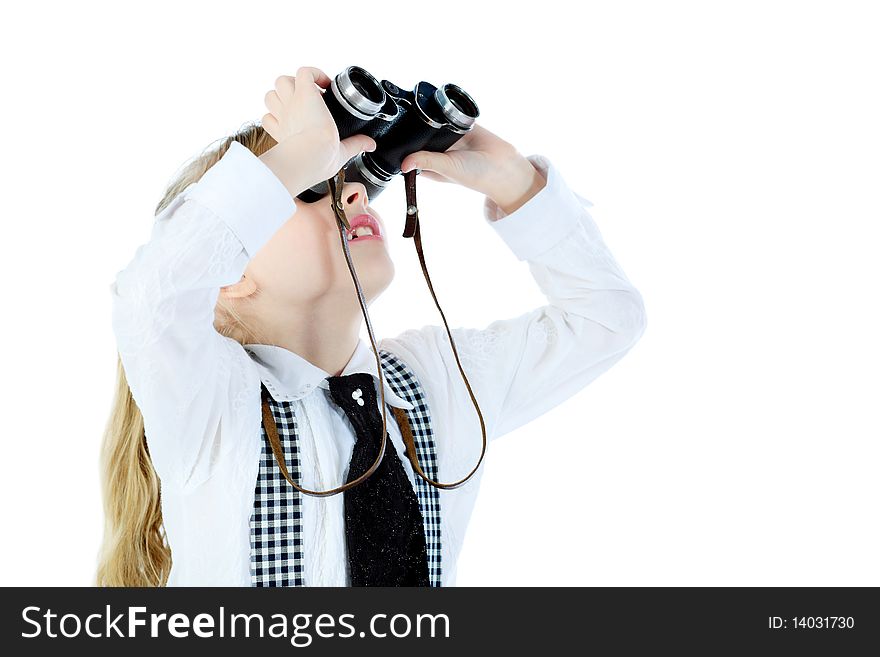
pixel 384 528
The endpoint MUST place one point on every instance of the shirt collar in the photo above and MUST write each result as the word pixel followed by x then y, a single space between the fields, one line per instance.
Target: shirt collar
pixel 288 376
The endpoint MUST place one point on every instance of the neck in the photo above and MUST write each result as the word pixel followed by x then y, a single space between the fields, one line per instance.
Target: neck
pixel 325 333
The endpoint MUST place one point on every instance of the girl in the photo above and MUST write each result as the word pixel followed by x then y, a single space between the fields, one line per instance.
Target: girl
pixel 243 288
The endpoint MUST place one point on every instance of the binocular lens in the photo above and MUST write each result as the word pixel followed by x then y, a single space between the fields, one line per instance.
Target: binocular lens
pixel 461 100
pixel 366 85
pixel 361 91
pixel 457 105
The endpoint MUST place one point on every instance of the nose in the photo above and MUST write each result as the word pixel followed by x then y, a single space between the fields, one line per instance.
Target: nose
pixel 354 195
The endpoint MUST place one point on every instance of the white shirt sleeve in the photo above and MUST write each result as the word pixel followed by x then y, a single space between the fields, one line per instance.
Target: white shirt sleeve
pixel 520 368
pixel 179 368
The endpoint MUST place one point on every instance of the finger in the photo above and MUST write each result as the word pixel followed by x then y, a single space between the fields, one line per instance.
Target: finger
pixel 285 86
pixel 314 75
pixel 270 125
pixel 273 102
pixel 430 175
pixel 425 160
pixel 357 144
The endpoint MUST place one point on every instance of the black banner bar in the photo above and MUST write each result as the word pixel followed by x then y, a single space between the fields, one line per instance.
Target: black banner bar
pixel 316 621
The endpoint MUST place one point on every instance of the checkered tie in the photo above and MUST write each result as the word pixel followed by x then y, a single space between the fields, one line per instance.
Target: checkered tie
pixel 384 528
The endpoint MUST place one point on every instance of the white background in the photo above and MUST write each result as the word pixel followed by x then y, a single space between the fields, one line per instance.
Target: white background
pixel 730 149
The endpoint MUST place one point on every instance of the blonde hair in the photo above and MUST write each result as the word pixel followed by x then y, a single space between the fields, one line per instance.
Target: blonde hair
pixel 134 551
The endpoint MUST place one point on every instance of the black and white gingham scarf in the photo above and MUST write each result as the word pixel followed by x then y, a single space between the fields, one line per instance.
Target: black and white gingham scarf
pixel 276 523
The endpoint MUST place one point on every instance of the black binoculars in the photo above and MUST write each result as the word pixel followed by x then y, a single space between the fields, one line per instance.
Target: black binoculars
pixel 428 118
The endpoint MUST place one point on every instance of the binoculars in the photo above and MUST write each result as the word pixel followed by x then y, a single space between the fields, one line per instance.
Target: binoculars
pixel 428 118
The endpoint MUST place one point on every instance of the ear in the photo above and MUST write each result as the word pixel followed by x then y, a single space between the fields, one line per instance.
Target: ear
pixel 245 287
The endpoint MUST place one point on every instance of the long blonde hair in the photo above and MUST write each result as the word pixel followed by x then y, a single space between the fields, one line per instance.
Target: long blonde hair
pixel 134 551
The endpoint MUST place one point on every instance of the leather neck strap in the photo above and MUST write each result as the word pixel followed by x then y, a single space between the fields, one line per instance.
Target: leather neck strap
pixel 411 230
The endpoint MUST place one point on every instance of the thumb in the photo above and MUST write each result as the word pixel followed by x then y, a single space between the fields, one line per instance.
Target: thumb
pixel 356 144
pixel 425 160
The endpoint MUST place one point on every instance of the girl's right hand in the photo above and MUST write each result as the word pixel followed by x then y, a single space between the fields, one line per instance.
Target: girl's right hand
pixel 309 150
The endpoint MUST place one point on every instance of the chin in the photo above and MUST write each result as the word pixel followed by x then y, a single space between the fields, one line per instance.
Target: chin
pixel 373 266
pixel 376 281
pixel 373 259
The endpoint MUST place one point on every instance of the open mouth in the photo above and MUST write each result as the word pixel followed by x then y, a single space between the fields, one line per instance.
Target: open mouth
pixel 364 227
pixel 360 232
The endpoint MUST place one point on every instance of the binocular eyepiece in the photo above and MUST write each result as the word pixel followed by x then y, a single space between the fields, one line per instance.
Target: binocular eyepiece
pixel 428 118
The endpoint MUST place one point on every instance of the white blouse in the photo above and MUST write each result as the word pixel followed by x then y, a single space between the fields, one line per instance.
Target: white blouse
pixel 199 391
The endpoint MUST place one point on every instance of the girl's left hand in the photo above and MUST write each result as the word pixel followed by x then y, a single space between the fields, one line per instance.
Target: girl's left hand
pixel 480 160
